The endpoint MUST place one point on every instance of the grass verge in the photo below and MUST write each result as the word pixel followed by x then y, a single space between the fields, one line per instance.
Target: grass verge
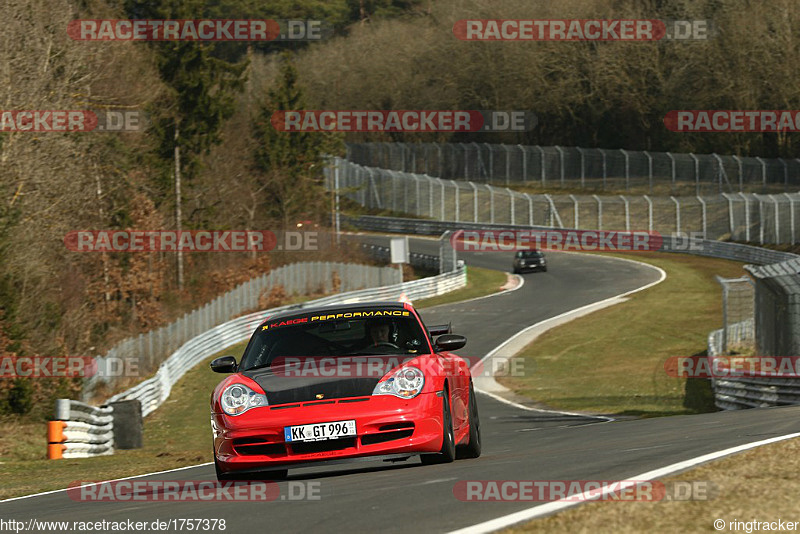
pixel 480 282
pixel 754 485
pixel 612 361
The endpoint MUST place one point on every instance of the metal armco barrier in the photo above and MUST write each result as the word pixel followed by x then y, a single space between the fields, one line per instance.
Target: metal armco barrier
pixel 700 247
pixel 80 430
pixel 152 392
pixel 422 261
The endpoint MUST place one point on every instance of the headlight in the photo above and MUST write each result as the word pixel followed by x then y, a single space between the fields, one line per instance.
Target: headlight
pixel 405 383
pixel 238 398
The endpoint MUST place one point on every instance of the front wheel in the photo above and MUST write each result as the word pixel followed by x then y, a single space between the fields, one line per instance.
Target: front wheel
pixel 448 452
pixel 473 448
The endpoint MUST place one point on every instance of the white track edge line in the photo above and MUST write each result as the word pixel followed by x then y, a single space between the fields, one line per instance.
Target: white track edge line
pixel 104 482
pixel 555 506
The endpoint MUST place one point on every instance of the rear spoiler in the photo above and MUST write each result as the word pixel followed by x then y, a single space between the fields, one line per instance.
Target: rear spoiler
pixel 440 329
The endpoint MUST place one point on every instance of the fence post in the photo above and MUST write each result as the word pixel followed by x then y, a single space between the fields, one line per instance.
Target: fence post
pixel 530 208
pixel 599 212
pixel 724 314
pixel 430 194
pixel 441 182
pixel 703 215
pixel 561 163
pixel 677 215
pixel 791 214
pixel 491 203
pixel 583 169
pixel 627 170
pixel 417 211
pixel 458 199
pixel 649 213
pixel 649 170
pixel 524 163
pixel 508 162
pixel 777 220
pixel 605 167
pixel 696 174
pixel 474 201
pixel 394 193
pixel 466 161
pixel 542 166
pixel 763 173
pixel 576 208
pixel 627 213
pixel 490 176
pixel 511 196
pixel 761 219
pixel 785 174
pixel 405 195
pixel 741 172
pixel 731 221
pixel 746 216
pixel 672 169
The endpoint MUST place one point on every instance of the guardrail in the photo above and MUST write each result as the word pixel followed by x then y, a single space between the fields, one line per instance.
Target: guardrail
pixel 701 247
pixel 731 393
pixel 80 430
pixel 742 392
pixel 152 392
pixel 424 261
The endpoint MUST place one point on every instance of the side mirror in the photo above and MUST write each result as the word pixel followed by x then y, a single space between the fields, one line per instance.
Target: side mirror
pixel 449 342
pixel 225 364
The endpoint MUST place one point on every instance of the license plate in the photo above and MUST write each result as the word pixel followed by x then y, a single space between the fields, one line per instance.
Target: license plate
pixel 320 431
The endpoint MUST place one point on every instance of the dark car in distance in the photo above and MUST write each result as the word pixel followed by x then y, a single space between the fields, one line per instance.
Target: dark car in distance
pixel 529 260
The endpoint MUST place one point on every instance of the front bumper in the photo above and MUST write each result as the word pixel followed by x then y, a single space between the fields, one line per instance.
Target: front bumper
pixel 385 425
pixel 532 267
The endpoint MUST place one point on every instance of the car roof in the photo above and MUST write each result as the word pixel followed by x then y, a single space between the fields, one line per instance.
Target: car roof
pixel 332 308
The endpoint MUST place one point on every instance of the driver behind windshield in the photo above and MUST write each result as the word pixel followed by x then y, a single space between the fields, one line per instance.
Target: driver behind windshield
pixel 379 332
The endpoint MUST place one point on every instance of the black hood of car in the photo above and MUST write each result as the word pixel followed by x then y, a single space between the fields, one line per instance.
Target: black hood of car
pixel 283 389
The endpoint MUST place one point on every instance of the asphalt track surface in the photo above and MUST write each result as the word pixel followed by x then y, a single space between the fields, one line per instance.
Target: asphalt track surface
pixel 517 444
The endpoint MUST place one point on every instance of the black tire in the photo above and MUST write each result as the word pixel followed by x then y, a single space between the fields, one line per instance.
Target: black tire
pixel 279 474
pixel 516 271
pixel 544 270
pixel 473 448
pixel 448 452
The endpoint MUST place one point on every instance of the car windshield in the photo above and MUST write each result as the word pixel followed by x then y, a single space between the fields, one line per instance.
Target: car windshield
pixel 335 335
pixel 530 254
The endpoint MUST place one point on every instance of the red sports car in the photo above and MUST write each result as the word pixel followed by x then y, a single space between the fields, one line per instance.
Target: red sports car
pixel 343 383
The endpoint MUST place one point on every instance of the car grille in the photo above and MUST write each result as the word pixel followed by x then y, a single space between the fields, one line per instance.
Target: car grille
pixel 258 447
pixel 382 437
pixel 309 447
